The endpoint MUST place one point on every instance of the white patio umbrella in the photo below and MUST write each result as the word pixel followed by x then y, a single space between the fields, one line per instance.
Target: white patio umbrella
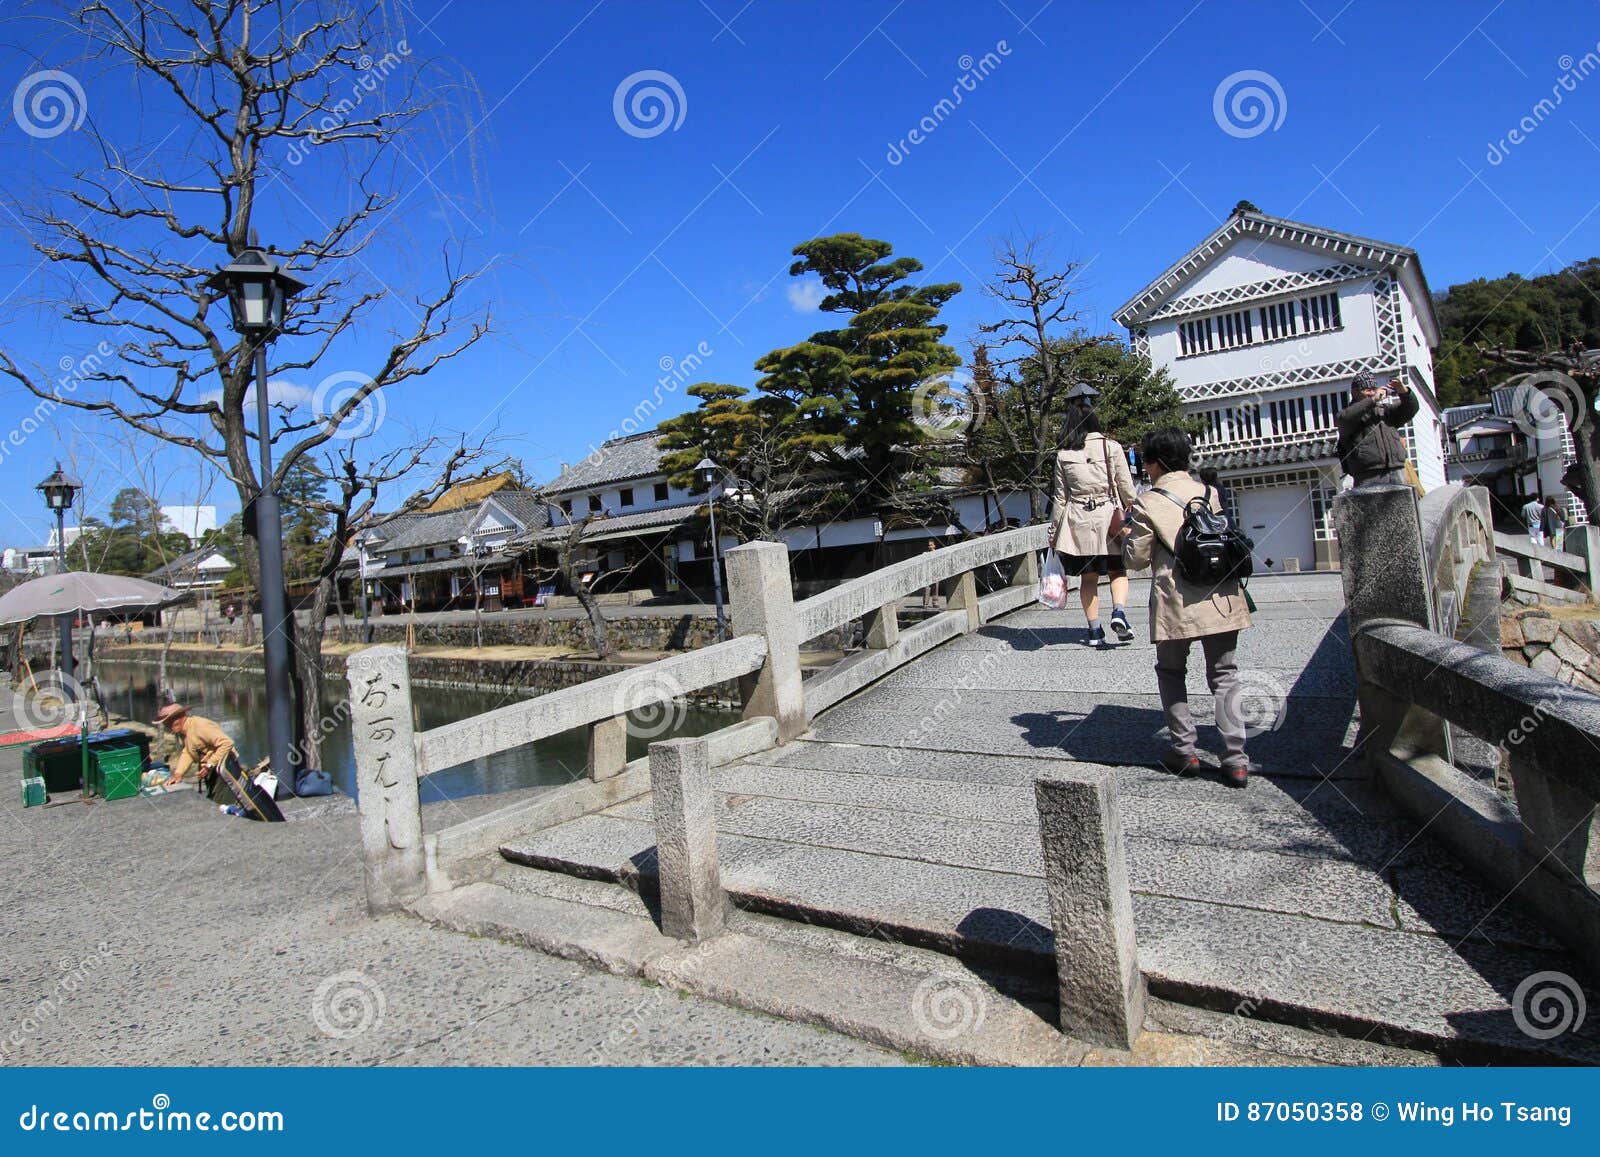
pixel 82 592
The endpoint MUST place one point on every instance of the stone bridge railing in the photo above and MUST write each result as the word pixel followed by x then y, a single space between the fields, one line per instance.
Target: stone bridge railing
pixel 1414 579
pixel 1578 563
pixel 402 861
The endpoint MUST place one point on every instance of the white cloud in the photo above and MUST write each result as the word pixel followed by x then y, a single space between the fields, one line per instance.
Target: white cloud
pixel 805 296
pixel 279 393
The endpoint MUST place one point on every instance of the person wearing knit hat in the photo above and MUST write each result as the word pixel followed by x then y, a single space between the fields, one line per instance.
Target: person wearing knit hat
pixel 1371 450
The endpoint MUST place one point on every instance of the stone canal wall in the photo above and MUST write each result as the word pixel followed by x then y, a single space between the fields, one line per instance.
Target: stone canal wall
pixel 527 676
pixel 1563 648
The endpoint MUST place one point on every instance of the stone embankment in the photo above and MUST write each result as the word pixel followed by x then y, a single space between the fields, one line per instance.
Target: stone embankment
pixel 1564 644
pixel 535 676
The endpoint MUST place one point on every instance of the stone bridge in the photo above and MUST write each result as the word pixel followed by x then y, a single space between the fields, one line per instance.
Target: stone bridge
pixel 1389 881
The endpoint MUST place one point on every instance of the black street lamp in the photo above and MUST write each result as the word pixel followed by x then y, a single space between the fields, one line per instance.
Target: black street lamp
pixel 59 490
pixel 258 292
pixel 710 475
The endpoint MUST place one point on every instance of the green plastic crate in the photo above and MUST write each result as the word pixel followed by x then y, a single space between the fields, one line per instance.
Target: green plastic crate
pixel 121 783
pixel 33 793
pixel 115 772
pixel 59 764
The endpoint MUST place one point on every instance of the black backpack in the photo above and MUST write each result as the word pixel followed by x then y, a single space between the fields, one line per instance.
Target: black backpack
pixel 1208 551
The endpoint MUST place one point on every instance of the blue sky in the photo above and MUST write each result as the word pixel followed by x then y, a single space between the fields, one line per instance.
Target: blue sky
pixel 616 253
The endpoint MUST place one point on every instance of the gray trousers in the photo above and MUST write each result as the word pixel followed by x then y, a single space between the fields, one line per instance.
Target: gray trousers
pixel 1222 675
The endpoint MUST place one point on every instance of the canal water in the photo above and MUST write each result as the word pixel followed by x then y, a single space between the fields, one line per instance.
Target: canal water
pixel 237 701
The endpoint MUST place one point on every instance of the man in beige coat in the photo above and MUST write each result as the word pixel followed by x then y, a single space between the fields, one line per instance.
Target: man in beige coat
pixel 1181 612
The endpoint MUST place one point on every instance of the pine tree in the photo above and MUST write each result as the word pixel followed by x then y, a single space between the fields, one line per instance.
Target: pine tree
pixel 853 387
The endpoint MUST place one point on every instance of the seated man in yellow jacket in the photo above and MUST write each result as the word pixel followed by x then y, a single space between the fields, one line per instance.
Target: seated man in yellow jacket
pixel 204 744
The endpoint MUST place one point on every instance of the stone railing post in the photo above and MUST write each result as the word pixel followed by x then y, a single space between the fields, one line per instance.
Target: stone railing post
pixel 386 778
pixel 1584 541
pixel 693 903
pixel 1387 575
pixel 763 604
pixel 883 626
pixel 1563 820
pixel 1091 909
pixel 608 747
pixel 963 596
pixel 1027 572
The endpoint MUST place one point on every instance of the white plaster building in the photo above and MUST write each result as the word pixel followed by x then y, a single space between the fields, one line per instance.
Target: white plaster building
pixel 1262 326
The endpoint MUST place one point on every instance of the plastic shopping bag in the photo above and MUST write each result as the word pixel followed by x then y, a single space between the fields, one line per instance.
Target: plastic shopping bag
pixel 1053 583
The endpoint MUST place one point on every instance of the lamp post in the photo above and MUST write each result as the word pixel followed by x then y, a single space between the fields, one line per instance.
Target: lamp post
pixel 59 490
pixel 711 474
pixel 365 542
pixel 258 292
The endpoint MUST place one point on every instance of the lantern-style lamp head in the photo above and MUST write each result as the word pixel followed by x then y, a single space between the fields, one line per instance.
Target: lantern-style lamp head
pixel 258 292
pixel 59 490
pixel 708 472
pixel 1082 394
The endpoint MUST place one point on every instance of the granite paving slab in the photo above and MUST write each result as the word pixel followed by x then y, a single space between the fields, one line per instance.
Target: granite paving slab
pixel 1324 824
pixel 1333 889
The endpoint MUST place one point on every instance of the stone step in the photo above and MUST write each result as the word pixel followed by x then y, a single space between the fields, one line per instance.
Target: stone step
pixel 919 1002
pixel 1395 987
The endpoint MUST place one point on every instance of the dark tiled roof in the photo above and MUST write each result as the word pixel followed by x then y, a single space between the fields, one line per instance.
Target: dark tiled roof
pixel 666 518
pixel 636 456
pixel 1269 455
pixel 185 564
pixel 530 511
pixel 413 531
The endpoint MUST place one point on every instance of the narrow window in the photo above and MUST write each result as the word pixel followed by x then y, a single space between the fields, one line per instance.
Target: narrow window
pixel 594 504
pixel 661 491
pixel 625 496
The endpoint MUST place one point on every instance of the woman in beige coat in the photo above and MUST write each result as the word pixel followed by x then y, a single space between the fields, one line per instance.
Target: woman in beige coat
pixel 1181 612
pixel 1092 483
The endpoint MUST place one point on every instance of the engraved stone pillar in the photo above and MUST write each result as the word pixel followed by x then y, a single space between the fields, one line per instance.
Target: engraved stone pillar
pixel 386 778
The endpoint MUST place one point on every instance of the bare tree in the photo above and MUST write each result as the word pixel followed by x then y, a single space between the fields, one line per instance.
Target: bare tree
pixel 1025 368
pixel 245 90
pixel 352 505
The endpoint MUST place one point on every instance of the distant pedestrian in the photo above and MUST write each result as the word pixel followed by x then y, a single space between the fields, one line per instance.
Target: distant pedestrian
pixel 1371 450
pixel 1093 490
pixel 1181 612
pixel 929 591
pixel 1533 519
pixel 1555 524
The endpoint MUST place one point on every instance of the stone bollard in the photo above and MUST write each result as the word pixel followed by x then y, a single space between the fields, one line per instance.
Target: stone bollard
pixel 1584 541
pixel 763 604
pixel 1387 575
pixel 386 778
pixel 693 905
pixel 1091 909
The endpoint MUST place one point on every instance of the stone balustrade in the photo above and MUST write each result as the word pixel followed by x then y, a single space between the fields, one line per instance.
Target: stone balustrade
pixel 764 657
pixel 1414 679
